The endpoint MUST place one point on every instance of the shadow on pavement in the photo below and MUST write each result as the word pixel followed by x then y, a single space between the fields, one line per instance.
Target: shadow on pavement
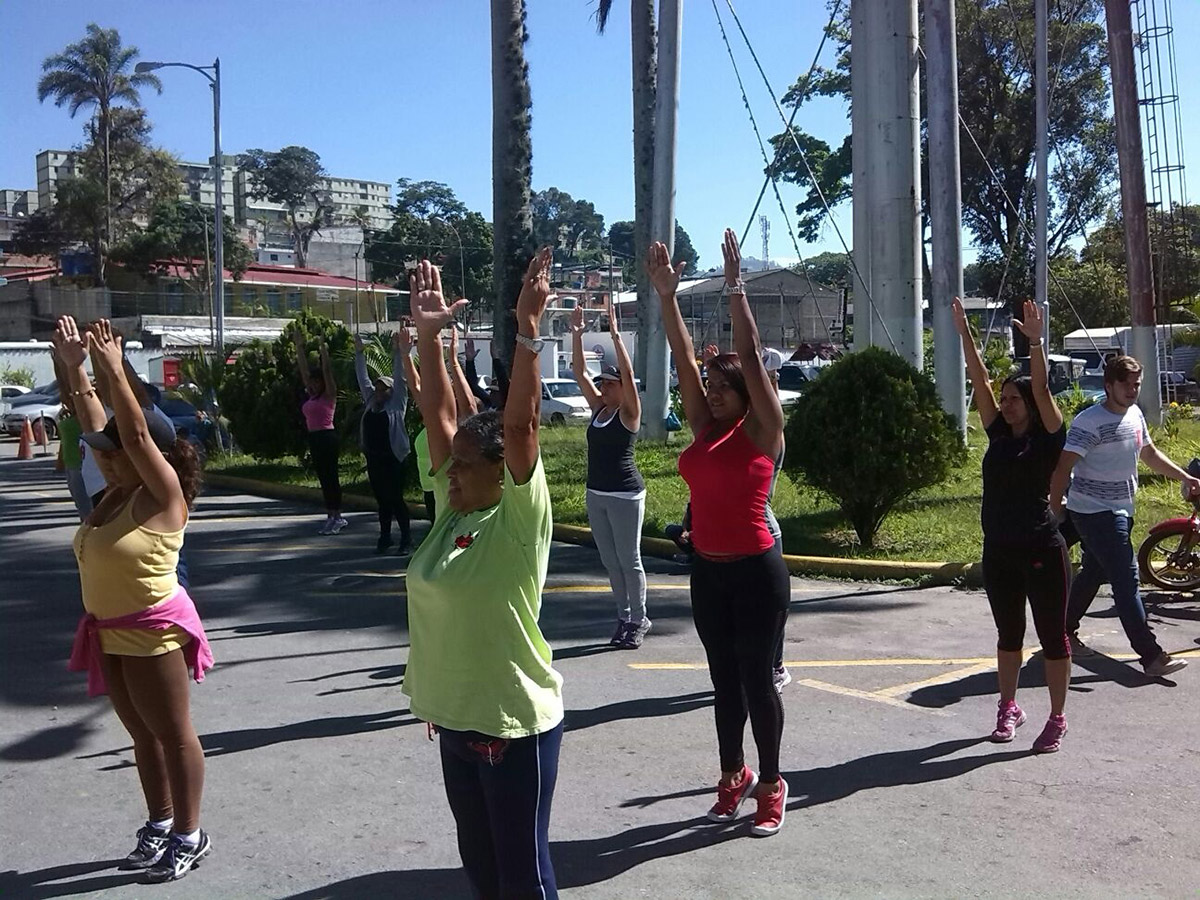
pixel 412 883
pixel 34 884
pixel 640 708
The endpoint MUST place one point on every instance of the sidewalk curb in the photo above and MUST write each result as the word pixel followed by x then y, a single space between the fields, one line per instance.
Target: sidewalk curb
pixel 933 574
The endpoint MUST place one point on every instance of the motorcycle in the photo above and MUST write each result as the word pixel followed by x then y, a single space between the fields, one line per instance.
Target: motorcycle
pixel 1169 558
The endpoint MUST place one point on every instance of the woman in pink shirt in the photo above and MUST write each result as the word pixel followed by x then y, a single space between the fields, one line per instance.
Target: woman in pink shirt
pixel 323 443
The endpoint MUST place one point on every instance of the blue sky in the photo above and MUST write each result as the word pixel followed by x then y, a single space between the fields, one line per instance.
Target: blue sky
pixel 384 89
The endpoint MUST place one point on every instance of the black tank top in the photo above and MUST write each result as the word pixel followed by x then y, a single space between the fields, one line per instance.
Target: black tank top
pixel 611 469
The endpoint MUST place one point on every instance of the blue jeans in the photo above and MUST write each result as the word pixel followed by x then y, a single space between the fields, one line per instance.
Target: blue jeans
pixel 1108 557
pixel 500 793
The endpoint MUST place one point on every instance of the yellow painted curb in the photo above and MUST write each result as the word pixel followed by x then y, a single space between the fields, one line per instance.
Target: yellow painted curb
pixel 932 573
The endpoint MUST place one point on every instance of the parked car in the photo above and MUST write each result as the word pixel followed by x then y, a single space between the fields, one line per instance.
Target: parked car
pixel 1178 387
pixel 1091 386
pixel 563 401
pixel 796 377
pixel 9 393
pixel 40 403
pixel 191 423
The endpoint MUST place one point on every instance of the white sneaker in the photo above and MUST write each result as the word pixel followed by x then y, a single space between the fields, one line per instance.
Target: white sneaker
pixel 327 528
pixel 337 525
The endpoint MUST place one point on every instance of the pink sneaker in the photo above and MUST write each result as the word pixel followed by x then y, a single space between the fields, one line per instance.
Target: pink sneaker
pixel 769 818
pixel 729 799
pixel 1008 720
pixel 1051 737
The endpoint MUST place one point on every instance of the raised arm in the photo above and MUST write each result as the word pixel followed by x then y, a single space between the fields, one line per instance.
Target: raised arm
pixel 1031 327
pixel 404 339
pixel 579 364
pixel 482 400
pixel 523 408
pixel 981 386
pixel 431 315
pixel 360 370
pixel 327 370
pixel 463 398
pixel 302 361
pixel 72 353
pixel 157 474
pixel 399 380
pixel 665 279
pixel 631 401
pixel 764 425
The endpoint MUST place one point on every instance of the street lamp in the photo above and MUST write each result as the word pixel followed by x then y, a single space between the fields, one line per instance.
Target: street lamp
pixel 218 291
pixel 462 267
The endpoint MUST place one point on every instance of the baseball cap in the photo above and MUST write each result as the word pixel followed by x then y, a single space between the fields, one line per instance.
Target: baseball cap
pixel 772 359
pixel 609 373
pixel 162 432
pixel 385 380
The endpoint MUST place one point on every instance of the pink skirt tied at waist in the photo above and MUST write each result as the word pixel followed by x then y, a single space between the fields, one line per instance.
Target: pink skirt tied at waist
pixel 178 612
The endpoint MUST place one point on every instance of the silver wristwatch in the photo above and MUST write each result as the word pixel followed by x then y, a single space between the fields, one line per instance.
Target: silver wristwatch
pixel 532 343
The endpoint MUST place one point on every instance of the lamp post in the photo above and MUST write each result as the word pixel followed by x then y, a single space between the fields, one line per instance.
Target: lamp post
pixel 214 81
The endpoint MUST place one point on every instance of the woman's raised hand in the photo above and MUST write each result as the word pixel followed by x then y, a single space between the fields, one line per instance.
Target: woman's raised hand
pixel 429 310
pixel 1031 323
pixel 612 321
pixel 709 353
pixel 68 343
pixel 105 346
pixel 733 258
pixel 663 275
pixel 577 325
pixel 535 289
pixel 401 339
pixel 960 319
pixel 358 342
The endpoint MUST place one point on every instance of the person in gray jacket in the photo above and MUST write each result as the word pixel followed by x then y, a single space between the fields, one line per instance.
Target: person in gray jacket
pixel 384 442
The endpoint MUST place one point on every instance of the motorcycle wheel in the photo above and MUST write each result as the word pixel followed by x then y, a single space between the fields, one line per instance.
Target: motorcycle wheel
pixel 1171 560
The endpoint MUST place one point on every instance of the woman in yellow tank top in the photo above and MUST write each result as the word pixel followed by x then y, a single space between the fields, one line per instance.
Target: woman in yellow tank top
pixel 140 632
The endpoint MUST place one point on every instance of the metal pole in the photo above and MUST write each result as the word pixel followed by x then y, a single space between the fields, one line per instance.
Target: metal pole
pixel 945 202
pixel 219 213
pixel 662 216
pixel 1139 275
pixel 862 60
pixel 1042 175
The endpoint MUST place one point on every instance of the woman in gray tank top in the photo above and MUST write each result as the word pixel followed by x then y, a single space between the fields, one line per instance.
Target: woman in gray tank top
pixel 616 494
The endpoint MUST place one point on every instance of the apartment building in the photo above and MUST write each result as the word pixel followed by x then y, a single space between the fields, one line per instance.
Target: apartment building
pixel 52 167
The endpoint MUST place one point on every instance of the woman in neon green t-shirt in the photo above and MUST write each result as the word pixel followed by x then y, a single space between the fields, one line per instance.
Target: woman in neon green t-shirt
pixel 479 669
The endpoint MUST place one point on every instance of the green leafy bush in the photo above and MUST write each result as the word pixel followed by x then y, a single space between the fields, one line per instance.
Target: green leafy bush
pixel 262 392
pixel 22 376
pixel 870 432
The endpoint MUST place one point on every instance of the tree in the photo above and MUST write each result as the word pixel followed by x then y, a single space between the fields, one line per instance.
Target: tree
pixel 180 232
pixel 291 177
pixel 95 72
pixel 996 101
pixel 512 168
pixel 829 268
pixel 40 234
pixel 621 237
pixel 870 432
pixel 428 222
pixel 572 227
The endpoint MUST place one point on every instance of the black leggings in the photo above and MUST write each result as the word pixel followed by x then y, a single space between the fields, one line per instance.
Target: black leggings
pixel 740 609
pixel 1043 574
pixel 386 474
pixel 325 448
pixel 430 506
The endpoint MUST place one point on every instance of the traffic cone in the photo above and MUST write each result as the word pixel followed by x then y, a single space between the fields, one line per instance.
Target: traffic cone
pixel 25 450
pixel 39 433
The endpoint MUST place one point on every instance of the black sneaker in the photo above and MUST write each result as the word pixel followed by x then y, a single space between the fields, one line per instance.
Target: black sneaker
pixel 151 845
pixel 384 542
pixel 619 634
pixel 634 633
pixel 405 548
pixel 179 858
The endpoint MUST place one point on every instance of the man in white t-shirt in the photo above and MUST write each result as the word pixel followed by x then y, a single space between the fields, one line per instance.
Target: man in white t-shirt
pixel 1103 448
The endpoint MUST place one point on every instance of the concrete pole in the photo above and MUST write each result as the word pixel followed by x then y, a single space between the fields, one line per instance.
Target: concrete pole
pixel 895 182
pixel 862 61
pixel 1139 274
pixel 218 211
pixel 945 203
pixel 1042 173
pixel 662 210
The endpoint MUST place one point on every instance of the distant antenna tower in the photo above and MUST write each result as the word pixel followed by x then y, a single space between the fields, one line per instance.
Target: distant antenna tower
pixel 765 225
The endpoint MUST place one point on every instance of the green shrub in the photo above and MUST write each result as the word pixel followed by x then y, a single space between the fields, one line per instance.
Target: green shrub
pixel 22 376
pixel 262 392
pixel 870 432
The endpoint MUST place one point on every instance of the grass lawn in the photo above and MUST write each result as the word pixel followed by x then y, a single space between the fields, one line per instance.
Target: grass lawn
pixel 937 524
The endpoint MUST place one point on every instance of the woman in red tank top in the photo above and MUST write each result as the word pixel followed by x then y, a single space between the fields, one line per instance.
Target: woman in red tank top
pixel 740 585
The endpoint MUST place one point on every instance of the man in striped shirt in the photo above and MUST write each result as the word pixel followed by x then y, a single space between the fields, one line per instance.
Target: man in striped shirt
pixel 1102 451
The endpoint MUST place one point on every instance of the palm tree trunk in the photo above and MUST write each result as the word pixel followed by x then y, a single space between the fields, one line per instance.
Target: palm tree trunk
pixel 645 77
pixel 102 255
pixel 512 168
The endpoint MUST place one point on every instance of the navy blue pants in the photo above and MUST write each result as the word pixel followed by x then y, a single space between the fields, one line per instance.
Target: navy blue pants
pixel 500 793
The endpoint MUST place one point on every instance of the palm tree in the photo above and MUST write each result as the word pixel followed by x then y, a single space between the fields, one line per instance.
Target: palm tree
pixel 96 71
pixel 512 167
pixel 644 39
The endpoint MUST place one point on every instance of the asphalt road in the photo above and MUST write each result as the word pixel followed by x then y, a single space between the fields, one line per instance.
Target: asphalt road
pixel 321 785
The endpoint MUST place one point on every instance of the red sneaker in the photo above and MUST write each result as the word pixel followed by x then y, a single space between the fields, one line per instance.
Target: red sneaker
pixel 769 818
pixel 729 799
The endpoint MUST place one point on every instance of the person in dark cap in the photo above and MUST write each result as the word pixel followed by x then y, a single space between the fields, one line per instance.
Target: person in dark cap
pixel 616 494
pixel 384 442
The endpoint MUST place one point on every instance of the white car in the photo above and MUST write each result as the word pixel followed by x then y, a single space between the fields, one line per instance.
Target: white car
pixel 563 401
pixel 42 403
pixel 9 393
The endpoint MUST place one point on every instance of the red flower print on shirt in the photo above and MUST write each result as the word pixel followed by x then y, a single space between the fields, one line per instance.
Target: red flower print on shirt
pixel 463 541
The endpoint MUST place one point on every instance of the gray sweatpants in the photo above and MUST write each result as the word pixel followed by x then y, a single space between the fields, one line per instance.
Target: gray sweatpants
pixel 617 530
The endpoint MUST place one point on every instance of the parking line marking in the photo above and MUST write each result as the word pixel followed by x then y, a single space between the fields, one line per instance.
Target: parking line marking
pixel 836 663
pixel 943 678
pixel 868 695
